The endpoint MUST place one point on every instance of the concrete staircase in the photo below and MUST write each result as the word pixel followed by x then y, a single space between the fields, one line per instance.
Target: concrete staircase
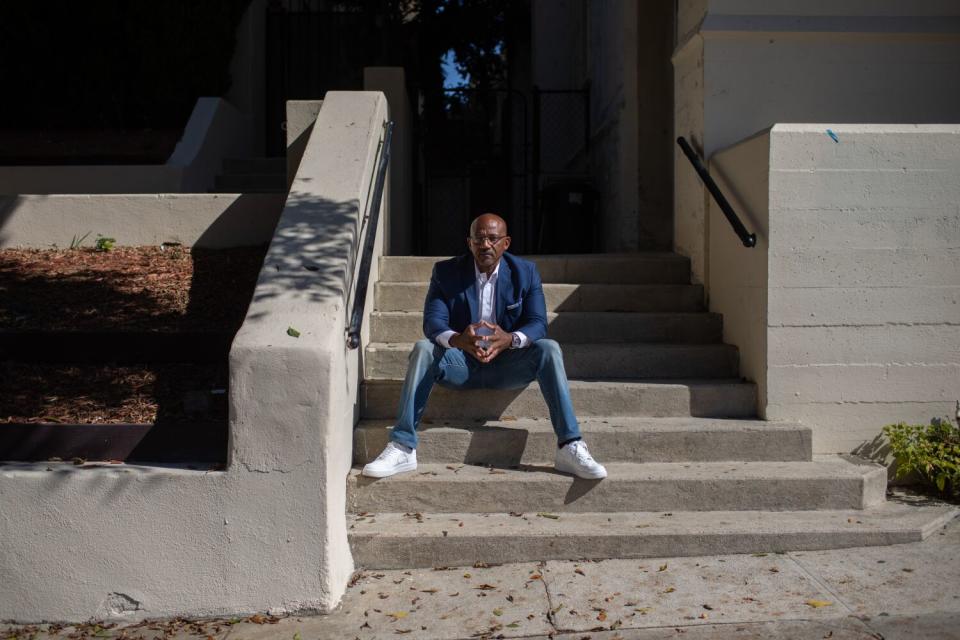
pixel 661 405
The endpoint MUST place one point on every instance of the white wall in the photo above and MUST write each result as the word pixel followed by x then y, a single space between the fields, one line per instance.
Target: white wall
pixel 862 321
pixel 743 65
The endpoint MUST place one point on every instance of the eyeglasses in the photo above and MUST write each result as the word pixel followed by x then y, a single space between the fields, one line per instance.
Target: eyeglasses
pixel 482 240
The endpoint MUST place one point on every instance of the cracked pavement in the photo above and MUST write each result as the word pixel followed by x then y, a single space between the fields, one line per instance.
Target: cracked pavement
pixel 901 591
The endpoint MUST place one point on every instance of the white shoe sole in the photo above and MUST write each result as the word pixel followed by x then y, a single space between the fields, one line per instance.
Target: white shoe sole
pixel 373 473
pixel 588 476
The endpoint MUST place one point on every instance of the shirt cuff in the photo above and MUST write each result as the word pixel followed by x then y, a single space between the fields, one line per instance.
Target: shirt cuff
pixel 443 339
pixel 524 340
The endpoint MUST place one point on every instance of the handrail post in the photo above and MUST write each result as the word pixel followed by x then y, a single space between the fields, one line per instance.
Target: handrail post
pixel 748 239
pixel 366 255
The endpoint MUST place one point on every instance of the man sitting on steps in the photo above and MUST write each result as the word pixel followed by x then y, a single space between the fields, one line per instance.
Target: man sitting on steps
pixel 486 324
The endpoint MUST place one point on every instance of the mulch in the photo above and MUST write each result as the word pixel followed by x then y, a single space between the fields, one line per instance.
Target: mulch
pixel 166 289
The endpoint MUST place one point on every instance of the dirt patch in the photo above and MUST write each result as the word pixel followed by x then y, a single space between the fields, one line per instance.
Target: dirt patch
pixel 127 288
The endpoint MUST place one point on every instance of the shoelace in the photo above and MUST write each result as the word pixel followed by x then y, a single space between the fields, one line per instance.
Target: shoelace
pixel 581 453
pixel 390 453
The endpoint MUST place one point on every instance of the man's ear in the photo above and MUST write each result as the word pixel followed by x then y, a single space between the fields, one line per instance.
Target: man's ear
pixel 506 243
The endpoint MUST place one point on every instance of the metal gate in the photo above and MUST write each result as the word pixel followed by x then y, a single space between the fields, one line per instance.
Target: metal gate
pixel 492 150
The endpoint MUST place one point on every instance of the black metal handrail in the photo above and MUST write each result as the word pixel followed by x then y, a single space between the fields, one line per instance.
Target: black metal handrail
pixel 748 239
pixel 366 256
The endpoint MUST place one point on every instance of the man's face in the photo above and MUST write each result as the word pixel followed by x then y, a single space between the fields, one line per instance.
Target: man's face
pixel 487 242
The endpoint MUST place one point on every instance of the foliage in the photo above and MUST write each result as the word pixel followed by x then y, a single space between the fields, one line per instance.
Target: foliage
pixel 78 240
pixel 932 451
pixel 104 243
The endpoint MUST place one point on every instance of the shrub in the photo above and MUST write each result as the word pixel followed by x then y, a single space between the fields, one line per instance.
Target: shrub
pixel 932 451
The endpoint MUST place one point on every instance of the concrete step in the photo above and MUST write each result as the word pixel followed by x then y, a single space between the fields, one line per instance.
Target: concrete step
pixel 275 165
pixel 248 183
pixel 571 327
pixel 625 268
pixel 600 398
pixel 600 361
pixel 827 482
pixel 623 439
pixel 409 296
pixel 399 541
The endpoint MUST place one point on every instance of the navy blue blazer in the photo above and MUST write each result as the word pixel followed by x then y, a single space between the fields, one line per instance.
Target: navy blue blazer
pixel 452 302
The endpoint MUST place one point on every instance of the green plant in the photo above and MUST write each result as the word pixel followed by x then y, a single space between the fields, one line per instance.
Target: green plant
pixel 104 243
pixel 932 451
pixel 77 241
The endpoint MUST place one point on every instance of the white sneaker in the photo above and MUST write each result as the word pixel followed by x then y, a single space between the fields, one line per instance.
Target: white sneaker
pixel 574 458
pixel 395 458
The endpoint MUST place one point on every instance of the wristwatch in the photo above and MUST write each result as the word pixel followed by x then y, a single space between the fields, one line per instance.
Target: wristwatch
pixel 516 342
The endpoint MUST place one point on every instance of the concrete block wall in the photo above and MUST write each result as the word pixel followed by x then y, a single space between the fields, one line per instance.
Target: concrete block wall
pixel 743 65
pixel 268 533
pixel 861 248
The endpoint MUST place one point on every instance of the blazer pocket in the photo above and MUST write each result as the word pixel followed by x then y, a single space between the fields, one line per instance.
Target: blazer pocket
pixel 511 307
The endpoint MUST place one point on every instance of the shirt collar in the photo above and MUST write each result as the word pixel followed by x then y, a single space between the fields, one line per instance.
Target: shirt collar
pixel 482 277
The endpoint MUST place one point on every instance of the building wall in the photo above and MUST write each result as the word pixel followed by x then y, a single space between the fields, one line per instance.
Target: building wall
pixel 747 64
pixel 862 252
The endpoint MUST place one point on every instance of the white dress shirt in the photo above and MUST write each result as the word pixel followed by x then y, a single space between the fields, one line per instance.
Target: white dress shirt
pixel 487 292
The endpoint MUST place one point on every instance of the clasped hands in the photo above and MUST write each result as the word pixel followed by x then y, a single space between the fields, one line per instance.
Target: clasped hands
pixel 471 342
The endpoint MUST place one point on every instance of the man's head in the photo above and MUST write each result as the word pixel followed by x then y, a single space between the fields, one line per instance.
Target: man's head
pixel 488 240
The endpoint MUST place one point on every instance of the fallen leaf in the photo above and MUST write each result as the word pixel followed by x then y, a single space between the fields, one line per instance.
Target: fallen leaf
pixel 702 616
pixel 669 590
pixel 428 590
pixel 663 567
pixel 708 607
pixel 602 615
pixel 816 604
pixel 508 419
pixel 467 576
pixel 293 333
pixel 513 625
pixel 580 571
pixel 257 619
pixel 498 612
pixel 509 598
pixel 397 615
pixel 485 587
pixel 296 636
pixel 759 555
pixel 549 515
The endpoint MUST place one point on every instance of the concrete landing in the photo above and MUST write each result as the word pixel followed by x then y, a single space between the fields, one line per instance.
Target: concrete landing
pixel 898 592
pixel 613 439
pixel 576 327
pixel 409 296
pixel 599 361
pixel 729 398
pixel 395 540
pixel 828 482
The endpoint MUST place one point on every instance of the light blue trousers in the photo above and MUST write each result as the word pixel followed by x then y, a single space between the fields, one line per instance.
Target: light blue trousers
pixel 431 364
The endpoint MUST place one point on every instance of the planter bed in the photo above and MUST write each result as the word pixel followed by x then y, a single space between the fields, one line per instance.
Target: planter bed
pixel 121 354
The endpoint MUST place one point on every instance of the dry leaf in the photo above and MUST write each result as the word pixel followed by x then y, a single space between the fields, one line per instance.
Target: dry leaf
pixel 397 615
pixel 485 587
pixel 816 604
pixel 663 567
pixel 549 515
pixel 580 571
pixel 669 590
pixel 498 612
pixel 602 615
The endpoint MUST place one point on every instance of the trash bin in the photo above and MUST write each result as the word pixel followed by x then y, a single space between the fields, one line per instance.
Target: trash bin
pixel 568 218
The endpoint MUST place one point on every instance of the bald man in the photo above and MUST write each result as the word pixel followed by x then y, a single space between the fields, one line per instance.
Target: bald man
pixel 485 322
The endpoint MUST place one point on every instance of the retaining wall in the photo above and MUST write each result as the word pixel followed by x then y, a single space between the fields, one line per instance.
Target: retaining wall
pixel 847 313
pixel 269 531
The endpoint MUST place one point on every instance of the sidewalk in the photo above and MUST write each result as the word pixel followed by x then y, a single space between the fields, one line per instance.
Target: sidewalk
pixel 902 591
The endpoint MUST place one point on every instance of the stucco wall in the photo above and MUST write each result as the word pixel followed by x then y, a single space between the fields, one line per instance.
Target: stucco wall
pixel 863 259
pixel 269 532
pixel 747 64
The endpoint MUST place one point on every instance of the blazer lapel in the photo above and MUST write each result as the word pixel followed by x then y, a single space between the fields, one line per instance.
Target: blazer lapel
pixel 469 283
pixel 504 289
